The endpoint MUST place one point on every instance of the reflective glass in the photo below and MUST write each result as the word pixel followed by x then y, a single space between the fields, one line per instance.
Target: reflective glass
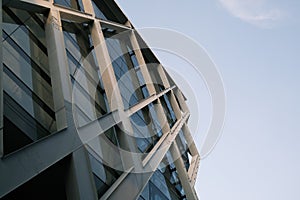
pixel 89 95
pixel 74 4
pixel 108 10
pixel 130 80
pixel 146 127
pixel 103 175
pixel 28 98
pixel 164 183
pixel 168 109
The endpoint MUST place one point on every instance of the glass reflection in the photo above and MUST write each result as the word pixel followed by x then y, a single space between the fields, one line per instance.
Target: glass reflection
pixel 28 101
pixel 90 99
pixel 130 80
pixel 74 4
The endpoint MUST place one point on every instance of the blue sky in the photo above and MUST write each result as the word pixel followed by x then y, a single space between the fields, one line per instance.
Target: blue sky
pixel 255 45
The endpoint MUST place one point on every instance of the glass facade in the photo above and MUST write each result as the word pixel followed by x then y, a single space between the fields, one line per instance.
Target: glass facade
pixel 130 80
pixel 30 113
pixel 146 128
pixel 183 149
pixel 168 109
pixel 28 100
pixel 164 183
pixel 88 92
pixel 103 175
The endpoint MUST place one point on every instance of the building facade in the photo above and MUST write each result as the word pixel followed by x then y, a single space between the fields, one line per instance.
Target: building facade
pixel 86 109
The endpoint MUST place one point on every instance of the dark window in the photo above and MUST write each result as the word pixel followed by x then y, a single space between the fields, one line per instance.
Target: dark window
pixel 48 185
pixel 74 4
pixel 168 109
pixel 108 10
pixel 28 100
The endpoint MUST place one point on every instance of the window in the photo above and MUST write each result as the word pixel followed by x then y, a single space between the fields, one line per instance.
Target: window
pixel 164 183
pixel 104 176
pixel 169 112
pixel 28 100
pixel 88 92
pixel 108 10
pixel 146 127
pixel 184 149
pixel 130 80
pixel 74 4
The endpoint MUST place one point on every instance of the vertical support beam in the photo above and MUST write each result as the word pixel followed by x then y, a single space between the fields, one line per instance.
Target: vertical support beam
pixel 88 7
pixel 175 106
pixel 60 79
pixel 114 95
pixel 162 117
pixel 142 63
pixel 1 88
pixel 190 141
pixel 195 162
pixel 163 76
pixel 181 100
pixel 182 173
pixel 106 70
pixel 79 182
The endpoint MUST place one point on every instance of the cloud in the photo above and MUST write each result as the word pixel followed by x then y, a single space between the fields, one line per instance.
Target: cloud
pixel 255 12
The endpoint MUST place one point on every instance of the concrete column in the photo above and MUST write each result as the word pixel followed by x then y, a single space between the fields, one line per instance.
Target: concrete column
pixel 142 63
pixel 190 141
pixel 163 76
pixel 59 71
pixel 88 6
pixel 106 70
pixel 1 89
pixel 162 117
pixel 175 106
pixel 79 181
pixel 182 173
pixel 181 100
pixel 113 95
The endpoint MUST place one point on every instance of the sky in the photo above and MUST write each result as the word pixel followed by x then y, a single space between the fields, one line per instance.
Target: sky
pixel 255 45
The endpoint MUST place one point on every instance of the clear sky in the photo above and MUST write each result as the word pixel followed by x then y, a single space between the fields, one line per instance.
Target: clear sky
pixel 256 47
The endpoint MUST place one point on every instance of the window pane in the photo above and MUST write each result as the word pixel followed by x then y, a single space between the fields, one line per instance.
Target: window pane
pixel 108 10
pixel 28 99
pixel 88 92
pixel 130 80
pixel 74 4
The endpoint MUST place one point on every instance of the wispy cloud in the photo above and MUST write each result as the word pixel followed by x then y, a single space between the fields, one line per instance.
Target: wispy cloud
pixel 256 12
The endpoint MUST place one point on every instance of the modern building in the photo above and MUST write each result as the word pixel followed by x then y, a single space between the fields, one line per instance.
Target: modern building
pixel 87 111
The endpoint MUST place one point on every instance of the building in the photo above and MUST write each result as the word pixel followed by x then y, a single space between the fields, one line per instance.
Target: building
pixel 87 111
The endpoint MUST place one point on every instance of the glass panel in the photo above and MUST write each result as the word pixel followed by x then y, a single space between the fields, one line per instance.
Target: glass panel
pixel 155 76
pixel 89 95
pixel 164 183
pixel 108 10
pixel 146 127
pixel 104 176
pixel 169 112
pixel 28 98
pixel 74 4
pixel 130 81
pixel 183 148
